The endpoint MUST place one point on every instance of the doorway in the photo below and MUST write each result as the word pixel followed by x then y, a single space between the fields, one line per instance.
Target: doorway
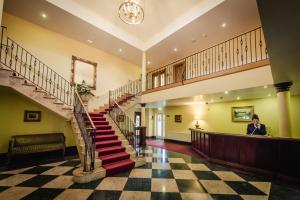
pixel 160 126
pixel 179 72
pixel 138 119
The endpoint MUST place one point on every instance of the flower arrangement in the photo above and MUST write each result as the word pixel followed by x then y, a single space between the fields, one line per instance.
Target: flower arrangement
pixel 84 90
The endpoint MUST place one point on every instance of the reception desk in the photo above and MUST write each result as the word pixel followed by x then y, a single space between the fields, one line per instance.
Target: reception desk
pixel 276 157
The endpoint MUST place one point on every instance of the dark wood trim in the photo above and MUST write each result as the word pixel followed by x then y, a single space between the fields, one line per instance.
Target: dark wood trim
pixel 177 141
pixel 242 68
pixel 74 59
pixel 274 157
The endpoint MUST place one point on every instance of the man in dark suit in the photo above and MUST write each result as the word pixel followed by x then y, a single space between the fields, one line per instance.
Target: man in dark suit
pixel 256 128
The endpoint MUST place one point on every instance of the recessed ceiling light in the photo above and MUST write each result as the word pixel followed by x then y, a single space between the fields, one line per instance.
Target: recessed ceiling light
pixel 175 49
pixel 265 86
pixel 120 50
pixel 204 35
pixel 44 15
pixel 148 62
pixel 238 98
pixel 226 92
pixel 224 25
pixel 90 41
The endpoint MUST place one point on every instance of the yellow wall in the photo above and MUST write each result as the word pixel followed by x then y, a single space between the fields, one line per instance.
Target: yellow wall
pixel 56 51
pixel 12 106
pixel 217 117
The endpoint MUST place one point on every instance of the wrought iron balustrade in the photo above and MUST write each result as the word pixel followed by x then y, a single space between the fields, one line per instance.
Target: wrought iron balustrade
pixel 87 130
pixel 135 135
pixel 249 47
pixel 131 89
pixel 34 71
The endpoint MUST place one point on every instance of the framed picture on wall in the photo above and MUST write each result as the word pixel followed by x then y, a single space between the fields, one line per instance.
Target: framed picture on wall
pixel 178 118
pixel 242 114
pixel 83 70
pixel 32 116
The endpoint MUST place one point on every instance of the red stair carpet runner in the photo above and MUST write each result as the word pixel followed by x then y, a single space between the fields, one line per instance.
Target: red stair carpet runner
pixel 110 150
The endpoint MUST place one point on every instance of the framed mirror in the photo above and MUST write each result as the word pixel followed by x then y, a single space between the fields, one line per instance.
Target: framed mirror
pixel 83 70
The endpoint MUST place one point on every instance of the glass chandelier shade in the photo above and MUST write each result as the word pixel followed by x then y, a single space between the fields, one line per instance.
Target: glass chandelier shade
pixel 131 12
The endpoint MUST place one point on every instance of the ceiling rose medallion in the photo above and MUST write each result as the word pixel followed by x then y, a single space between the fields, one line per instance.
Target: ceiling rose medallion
pixel 131 12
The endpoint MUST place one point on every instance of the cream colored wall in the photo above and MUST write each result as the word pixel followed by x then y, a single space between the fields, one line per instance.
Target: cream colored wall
pixel 12 106
pixel 56 51
pixel 217 117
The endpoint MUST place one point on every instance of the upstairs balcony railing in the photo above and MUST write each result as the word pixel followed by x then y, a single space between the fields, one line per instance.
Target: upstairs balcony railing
pixel 247 48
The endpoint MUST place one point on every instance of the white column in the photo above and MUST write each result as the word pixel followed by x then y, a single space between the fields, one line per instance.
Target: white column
pixel 284 109
pixel 1 10
pixel 144 65
pixel 143 114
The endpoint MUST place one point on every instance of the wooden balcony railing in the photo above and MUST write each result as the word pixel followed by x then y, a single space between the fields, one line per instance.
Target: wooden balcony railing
pixel 247 49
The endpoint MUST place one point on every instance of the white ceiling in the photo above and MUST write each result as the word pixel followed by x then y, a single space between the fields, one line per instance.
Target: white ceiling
pixel 168 24
pixel 162 17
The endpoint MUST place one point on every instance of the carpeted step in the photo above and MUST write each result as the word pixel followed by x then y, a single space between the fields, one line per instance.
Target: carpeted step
pixel 103 127
pixel 118 167
pixel 105 137
pixel 114 158
pixel 96 123
pixel 110 150
pixel 108 143
pixel 105 132
pixel 98 118
pixel 96 114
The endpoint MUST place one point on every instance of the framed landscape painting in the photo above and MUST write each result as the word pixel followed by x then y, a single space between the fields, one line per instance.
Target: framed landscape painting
pixel 242 114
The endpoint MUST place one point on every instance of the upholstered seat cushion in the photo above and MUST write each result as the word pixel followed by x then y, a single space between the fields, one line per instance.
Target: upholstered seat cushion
pixel 37 139
pixel 37 148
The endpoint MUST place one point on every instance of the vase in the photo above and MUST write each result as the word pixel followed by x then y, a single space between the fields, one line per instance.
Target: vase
pixel 85 98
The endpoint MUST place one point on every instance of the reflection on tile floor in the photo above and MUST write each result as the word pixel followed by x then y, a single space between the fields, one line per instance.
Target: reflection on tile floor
pixel 167 175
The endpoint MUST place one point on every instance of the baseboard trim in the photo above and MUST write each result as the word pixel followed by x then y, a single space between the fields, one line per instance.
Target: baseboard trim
pixel 150 137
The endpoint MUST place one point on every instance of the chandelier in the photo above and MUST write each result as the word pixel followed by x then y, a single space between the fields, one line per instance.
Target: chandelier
pixel 131 12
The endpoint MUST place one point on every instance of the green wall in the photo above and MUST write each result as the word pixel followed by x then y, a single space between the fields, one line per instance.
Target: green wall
pixel 12 106
pixel 217 116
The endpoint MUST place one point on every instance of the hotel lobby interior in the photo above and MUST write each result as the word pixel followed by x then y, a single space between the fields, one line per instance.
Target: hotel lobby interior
pixel 149 99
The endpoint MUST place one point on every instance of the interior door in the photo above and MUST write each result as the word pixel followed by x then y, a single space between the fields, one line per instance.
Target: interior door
pixel 179 72
pixel 138 119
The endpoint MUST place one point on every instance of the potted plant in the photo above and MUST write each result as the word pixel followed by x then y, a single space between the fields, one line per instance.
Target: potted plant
pixel 84 91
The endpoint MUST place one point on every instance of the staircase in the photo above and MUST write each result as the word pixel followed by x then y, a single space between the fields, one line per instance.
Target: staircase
pixel 103 148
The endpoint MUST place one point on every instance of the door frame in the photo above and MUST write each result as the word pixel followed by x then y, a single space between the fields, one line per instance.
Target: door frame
pixel 181 64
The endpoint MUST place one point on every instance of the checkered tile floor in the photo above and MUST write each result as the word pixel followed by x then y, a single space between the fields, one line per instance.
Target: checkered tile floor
pixel 167 175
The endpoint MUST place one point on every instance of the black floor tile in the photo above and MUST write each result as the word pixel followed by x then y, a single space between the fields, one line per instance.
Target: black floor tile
pixel 252 177
pixel 138 184
pixel 3 176
pixel 43 194
pixel 71 163
pixel 38 181
pixel 283 192
pixel 181 166
pixel 161 173
pixel 190 186
pixel 226 197
pixel 91 185
pixel 160 160
pixel 2 188
pixel 206 175
pixel 192 160
pixel 107 195
pixel 37 170
pixel 146 166
pixel 244 188
pixel 165 196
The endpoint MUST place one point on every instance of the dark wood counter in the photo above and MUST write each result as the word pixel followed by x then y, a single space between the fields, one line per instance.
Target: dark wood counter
pixel 276 157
